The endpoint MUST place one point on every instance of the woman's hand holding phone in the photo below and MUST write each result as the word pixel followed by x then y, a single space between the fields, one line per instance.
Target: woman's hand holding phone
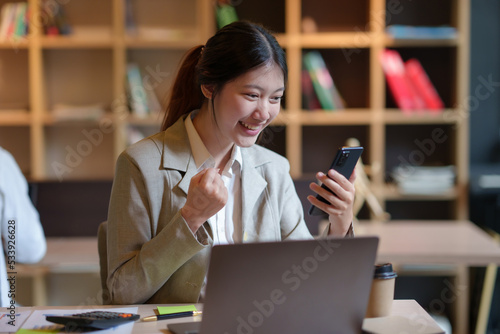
pixel 335 196
pixel 339 194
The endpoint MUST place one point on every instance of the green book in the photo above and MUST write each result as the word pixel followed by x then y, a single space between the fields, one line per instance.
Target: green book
pixel 225 15
pixel 20 23
pixel 322 81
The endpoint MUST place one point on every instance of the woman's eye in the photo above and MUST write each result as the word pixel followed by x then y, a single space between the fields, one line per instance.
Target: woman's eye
pixel 276 98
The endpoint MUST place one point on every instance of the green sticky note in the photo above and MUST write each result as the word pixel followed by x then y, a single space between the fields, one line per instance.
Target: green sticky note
pixel 175 309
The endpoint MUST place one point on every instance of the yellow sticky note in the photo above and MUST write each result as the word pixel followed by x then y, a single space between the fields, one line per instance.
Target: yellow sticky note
pixel 175 309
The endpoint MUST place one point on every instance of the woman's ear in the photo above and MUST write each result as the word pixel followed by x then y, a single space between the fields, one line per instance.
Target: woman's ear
pixel 207 90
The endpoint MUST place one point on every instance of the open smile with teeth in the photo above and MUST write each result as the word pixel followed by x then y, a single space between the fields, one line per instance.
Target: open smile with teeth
pixel 250 127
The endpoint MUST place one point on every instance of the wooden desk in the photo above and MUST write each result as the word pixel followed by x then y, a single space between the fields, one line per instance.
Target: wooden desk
pixel 438 242
pixel 405 242
pixel 433 242
pixel 408 309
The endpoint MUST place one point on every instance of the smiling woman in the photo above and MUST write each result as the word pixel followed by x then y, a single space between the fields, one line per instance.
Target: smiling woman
pixel 202 180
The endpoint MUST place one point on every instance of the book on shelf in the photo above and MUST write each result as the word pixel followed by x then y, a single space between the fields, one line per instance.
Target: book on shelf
pixel 136 91
pixel 309 99
pixel 130 25
pixel 394 71
pixel 142 99
pixel 13 20
pixel 424 180
pixel 225 13
pixel 399 31
pixel 322 81
pixel 55 21
pixel 423 85
pixel 409 84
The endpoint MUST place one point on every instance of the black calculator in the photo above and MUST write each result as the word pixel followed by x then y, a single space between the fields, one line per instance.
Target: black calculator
pixel 94 319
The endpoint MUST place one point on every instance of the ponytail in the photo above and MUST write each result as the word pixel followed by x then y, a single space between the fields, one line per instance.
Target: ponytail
pixel 185 94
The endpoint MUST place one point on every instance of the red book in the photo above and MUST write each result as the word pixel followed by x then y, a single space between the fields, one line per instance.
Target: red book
pixel 397 80
pixel 309 99
pixel 11 19
pixel 423 85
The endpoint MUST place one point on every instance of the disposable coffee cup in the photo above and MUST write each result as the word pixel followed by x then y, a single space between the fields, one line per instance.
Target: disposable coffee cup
pixel 382 291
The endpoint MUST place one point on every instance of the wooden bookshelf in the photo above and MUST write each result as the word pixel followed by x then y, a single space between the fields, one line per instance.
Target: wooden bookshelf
pixel 89 66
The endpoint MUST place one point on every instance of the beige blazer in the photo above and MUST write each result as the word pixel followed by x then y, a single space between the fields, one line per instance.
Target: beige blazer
pixel 153 257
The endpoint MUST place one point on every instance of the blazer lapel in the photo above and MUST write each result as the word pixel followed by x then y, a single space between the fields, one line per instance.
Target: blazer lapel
pixel 252 186
pixel 177 153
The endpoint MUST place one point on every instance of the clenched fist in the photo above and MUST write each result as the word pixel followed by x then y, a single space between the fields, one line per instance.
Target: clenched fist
pixel 207 194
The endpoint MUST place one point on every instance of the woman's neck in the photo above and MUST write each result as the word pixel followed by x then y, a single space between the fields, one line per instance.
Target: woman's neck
pixel 209 133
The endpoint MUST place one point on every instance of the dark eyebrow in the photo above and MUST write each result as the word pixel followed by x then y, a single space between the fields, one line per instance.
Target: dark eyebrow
pixel 261 89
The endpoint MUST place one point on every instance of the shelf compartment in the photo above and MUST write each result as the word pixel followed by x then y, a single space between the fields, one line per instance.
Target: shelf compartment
pixel 323 141
pixel 158 69
pixel 76 151
pixel 14 81
pixel 440 64
pixel 350 71
pixel 420 210
pixel 16 140
pixel 163 20
pixel 418 145
pixel 337 15
pixel 420 13
pixel 78 77
pixel 253 11
pixel 87 19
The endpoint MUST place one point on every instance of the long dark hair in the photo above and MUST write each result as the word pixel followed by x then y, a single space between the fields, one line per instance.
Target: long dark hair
pixel 234 50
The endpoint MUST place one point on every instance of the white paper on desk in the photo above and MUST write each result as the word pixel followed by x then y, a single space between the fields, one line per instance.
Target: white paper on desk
pixel 398 325
pixel 37 320
pixel 9 325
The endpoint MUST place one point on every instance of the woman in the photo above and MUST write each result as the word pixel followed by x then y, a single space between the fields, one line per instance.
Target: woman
pixel 202 181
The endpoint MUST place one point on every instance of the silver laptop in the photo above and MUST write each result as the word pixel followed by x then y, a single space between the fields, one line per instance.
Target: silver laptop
pixel 308 286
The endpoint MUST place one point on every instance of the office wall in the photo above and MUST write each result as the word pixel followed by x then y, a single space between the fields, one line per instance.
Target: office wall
pixel 485 123
pixel 485 65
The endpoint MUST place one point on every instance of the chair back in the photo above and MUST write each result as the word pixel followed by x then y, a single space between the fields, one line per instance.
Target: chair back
pixel 102 232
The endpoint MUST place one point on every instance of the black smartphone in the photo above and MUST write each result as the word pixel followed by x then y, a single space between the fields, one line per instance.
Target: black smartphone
pixel 344 162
